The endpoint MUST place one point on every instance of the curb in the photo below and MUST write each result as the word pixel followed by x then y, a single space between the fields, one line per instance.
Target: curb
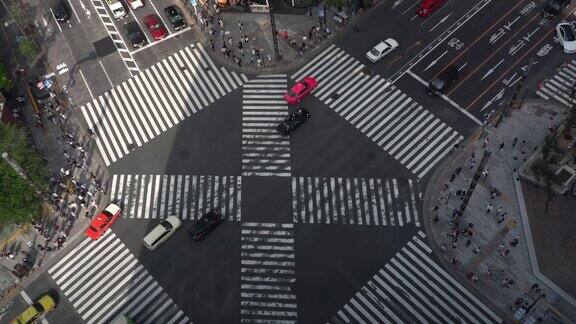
pixel 313 52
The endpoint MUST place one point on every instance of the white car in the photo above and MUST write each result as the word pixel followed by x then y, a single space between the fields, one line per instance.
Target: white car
pixel 382 49
pixel 566 36
pixel 161 232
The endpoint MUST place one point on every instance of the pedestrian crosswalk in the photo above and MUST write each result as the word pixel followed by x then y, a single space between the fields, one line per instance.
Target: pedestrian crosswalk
pixel 268 274
pixel 186 196
pixel 396 123
pixel 156 99
pixel 264 151
pixel 102 280
pixel 413 288
pixel 559 87
pixel 356 201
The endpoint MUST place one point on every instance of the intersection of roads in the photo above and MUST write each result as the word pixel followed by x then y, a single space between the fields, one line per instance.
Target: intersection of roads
pixel 324 226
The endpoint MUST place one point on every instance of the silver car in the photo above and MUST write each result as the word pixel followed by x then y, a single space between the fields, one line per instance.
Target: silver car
pixel 161 232
pixel 566 36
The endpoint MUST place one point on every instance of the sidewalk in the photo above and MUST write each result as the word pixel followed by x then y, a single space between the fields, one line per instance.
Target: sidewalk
pixel 486 247
pixel 77 181
pixel 243 40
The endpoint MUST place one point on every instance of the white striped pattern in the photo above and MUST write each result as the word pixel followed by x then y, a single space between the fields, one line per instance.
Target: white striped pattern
pixel 268 278
pixel 559 87
pixel 108 22
pixel 355 201
pixel 146 105
pixel 102 279
pixel 392 120
pixel 413 288
pixel 186 196
pixel 264 151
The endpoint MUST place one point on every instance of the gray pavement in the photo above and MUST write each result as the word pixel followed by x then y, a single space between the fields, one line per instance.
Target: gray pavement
pixel 68 152
pixel 497 250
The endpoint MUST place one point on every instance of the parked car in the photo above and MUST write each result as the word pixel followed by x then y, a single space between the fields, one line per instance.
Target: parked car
pixel 33 313
pixel 135 34
pixel 117 8
pixel 206 224
pixel 135 4
pixel 300 90
pixel 427 7
pixel 61 11
pixel 161 232
pixel 443 81
pixel 553 8
pixel 295 119
pixel 103 221
pixel 566 36
pixel 175 16
pixel 381 49
pixel 155 26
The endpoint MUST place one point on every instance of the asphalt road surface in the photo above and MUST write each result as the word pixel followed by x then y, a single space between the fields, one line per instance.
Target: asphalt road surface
pixel 324 225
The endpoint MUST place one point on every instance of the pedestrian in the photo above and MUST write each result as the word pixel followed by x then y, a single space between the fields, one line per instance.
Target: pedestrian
pixel 240 26
pixel 443 247
pixel 476 250
pixel 472 164
pixel 486 142
pixel 499 210
pixel 458 170
pixel 221 24
pixel 254 39
pixel 452 177
pixel 488 272
pixel 515 141
pixel 212 45
pixel 310 12
pixel 501 146
pixel 500 219
pixel 230 41
pixel 485 173
pixel 489 208
pixel 514 242
pixel 454 260
pixel 239 44
pixel 468 243
pixel 245 39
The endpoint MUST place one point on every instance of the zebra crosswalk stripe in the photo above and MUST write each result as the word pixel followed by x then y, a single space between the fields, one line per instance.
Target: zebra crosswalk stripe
pixel 147 104
pixel 188 197
pixel 355 201
pixel 268 277
pixel 264 151
pixel 383 113
pixel 102 279
pixel 412 287
pixel 559 86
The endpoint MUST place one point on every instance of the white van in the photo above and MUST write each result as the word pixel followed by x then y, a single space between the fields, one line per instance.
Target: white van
pixel 162 232
pixel 117 8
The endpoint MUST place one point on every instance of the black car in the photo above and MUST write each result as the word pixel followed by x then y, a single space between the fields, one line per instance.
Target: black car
pixel 175 16
pixel 206 224
pixel 292 122
pixel 553 8
pixel 443 81
pixel 61 11
pixel 135 34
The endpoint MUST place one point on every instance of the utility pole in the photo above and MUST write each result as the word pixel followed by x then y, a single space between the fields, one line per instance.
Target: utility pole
pixel 274 31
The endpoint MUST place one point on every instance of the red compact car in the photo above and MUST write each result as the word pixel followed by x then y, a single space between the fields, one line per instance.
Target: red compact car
pixel 103 221
pixel 427 7
pixel 300 90
pixel 155 27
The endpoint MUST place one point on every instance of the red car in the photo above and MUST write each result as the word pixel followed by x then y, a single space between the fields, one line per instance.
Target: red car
pixel 427 7
pixel 103 221
pixel 300 90
pixel 155 27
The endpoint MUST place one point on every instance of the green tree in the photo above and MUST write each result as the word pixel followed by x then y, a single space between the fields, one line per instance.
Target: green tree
pixel 335 3
pixel 14 141
pixel 5 80
pixel 18 14
pixel 18 201
pixel 27 48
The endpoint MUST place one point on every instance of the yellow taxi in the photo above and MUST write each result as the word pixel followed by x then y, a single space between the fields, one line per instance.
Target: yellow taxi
pixel 36 311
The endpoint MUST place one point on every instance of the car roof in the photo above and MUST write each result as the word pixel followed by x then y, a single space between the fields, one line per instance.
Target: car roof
pixel 299 86
pixel 113 209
